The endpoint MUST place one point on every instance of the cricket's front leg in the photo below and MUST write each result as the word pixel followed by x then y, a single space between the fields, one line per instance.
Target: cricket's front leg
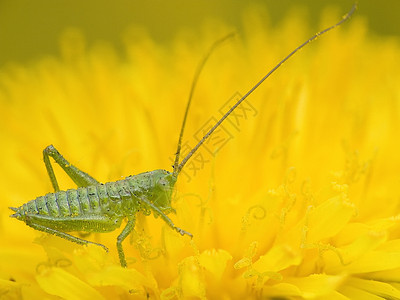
pixel 165 218
pixel 79 177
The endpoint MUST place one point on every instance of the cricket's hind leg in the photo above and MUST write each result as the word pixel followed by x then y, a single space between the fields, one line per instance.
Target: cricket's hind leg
pixel 64 235
pixel 79 177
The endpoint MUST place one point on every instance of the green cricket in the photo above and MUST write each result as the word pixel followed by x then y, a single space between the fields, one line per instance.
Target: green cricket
pixel 97 207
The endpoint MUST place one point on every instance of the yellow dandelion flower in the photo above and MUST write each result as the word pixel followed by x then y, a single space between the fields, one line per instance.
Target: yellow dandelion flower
pixel 296 197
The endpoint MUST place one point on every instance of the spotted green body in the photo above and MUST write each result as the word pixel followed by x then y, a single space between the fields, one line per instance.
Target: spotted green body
pixel 100 207
pixel 96 207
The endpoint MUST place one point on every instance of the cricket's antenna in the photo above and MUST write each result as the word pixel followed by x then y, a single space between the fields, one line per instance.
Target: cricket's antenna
pixel 194 82
pixel 177 169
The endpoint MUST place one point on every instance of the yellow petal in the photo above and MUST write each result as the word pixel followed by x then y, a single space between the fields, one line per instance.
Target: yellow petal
pixel 381 289
pixel 278 258
pixel 214 261
pixel 59 282
pixel 191 282
pixel 328 218
pixel 129 279
pixel 316 286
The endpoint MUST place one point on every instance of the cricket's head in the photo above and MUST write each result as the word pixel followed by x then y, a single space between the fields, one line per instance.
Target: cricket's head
pixel 164 183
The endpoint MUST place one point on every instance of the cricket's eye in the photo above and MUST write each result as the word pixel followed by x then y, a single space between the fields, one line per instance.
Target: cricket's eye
pixel 162 182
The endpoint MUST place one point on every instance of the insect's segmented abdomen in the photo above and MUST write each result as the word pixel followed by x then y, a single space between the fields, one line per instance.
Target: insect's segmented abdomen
pixel 112 199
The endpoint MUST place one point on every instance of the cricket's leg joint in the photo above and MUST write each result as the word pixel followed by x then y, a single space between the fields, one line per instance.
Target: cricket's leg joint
pixel 183 232
pixel 50 149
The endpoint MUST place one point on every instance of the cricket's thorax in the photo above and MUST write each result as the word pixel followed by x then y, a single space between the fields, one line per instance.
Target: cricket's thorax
pixel 100 207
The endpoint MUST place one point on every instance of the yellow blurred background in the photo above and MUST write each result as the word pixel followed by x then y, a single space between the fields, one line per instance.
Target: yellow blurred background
pixel 30 30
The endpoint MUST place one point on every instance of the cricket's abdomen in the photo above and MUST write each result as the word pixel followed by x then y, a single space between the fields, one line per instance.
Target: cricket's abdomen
pixel 96 208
